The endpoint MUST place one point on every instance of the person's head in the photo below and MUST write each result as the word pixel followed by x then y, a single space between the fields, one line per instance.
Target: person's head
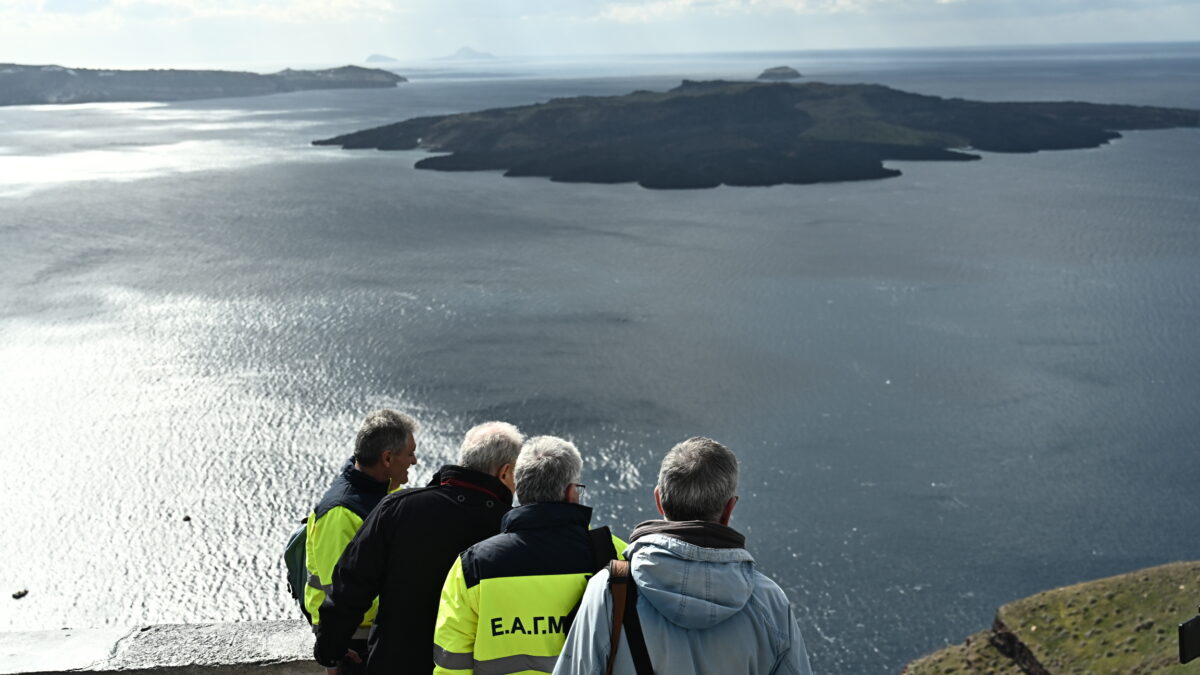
pixel 492 448
pixel 698 481
pixel 386 446
pixel 548 470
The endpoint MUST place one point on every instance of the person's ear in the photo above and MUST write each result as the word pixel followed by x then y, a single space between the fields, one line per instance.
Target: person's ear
pixel 727 514
pixel 658 503
pixel 505 474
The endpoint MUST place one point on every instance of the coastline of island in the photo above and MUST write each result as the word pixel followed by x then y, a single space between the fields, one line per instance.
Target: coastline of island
pixel 51 84
pixel 705 134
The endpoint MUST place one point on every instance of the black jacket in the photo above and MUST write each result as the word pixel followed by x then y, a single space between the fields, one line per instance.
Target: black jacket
pixel 402 554
pixel 537 539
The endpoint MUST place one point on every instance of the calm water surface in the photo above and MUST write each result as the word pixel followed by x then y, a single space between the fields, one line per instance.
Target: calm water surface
pixel 948 390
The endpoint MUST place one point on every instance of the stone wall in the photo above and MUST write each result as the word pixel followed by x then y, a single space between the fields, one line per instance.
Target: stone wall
pixel 269 647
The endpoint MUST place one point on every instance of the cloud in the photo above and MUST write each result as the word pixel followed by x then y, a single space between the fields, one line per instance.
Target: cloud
pixel 663 10
pixel 643 12
pixel 275 11
pixel 74 6
pixel 279 11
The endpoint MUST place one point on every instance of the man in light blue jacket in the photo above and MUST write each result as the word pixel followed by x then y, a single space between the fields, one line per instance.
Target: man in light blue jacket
pixel 702 605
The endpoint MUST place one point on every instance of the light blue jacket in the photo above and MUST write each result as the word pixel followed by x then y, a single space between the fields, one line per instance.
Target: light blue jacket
pixel 703 610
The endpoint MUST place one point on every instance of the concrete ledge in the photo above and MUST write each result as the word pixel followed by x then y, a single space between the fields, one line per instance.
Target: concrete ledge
pixel 275 647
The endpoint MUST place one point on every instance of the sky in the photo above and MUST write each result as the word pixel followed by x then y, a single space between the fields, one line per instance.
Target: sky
pixel 191 33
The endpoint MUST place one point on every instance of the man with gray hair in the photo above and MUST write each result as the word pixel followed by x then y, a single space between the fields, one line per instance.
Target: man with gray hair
pixel 507 600
pixel 403 550
pixel 696 602
pixel 384 449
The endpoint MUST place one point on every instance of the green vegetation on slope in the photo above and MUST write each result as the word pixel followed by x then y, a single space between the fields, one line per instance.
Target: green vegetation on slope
pixel 1124 625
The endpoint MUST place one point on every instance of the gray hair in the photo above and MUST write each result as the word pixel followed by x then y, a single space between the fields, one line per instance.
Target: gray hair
pixel 489 446
pixel 382 430
pixel 698 477
pixel 545 467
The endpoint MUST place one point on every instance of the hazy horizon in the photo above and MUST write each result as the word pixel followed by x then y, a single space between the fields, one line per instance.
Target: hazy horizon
pixel 397 63
pixel 191 33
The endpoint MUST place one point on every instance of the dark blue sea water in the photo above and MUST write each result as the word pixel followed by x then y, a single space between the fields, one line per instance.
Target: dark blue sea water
pixel 948 390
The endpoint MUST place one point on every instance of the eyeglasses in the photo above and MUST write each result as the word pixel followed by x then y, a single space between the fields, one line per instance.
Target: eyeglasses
pixel 579 488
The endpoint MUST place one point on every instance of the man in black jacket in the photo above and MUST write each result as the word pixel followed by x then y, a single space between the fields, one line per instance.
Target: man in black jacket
pixel 404 549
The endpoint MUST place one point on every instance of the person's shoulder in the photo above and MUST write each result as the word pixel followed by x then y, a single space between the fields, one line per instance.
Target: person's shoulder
pixel 769 608
pixel 491 551
pixel 335 495
pixel 498 541
pixel 407 497
pixel 769 594
pixel 596 591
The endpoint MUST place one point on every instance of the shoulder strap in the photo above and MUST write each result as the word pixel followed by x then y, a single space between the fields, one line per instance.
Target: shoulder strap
pixel 603 549
pixel 619 582
pixel 624 592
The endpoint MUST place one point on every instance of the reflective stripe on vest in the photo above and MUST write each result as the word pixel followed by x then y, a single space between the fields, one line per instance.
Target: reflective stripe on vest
pixel 452 660
pixel 504 665
pixel 515 664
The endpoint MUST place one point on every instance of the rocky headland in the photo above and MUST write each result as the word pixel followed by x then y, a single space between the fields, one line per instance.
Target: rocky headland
pixel 31 85
pixel 704 134
pixel 1125 624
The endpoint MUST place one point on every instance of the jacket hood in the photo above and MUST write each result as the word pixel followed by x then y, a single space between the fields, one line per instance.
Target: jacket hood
pixel 693 587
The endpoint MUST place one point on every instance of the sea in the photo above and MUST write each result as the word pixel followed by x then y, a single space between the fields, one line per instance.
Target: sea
pixel 947 390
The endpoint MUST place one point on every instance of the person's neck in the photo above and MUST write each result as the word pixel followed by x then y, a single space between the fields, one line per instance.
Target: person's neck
pixel 377 472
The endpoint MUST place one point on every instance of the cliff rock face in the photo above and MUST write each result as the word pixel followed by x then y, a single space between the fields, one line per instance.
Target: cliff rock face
pixel 1124 624
pixel 30 85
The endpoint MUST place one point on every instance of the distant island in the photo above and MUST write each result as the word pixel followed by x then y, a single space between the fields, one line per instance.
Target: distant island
pixel 704 134
pixel 380 58
pixel 779 73
pixel 30 85
pixel 467 54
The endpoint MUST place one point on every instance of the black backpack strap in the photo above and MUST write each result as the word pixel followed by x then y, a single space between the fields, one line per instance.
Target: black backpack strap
pixel 624 592
pixel 603 551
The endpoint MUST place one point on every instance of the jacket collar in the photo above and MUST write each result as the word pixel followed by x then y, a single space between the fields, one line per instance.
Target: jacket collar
pixel 458 476
pixel 546 514
pixel 696 532
pixel 362 480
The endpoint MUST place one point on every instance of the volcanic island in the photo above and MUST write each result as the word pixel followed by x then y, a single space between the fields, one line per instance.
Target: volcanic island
pixel 38 85
pixel 705 134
